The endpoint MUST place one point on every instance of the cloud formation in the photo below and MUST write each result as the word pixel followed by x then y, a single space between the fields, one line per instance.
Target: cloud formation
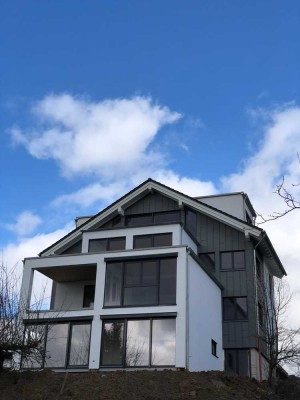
pixel 109 138
pixel 26 223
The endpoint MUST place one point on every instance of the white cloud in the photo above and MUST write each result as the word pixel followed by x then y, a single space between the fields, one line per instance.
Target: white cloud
pixel 110 138
pixel 26 223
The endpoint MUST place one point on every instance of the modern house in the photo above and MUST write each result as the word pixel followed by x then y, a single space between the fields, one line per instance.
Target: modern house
pixel 156 280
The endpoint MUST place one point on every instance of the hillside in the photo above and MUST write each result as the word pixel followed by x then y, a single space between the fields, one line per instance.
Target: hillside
pixel 136 385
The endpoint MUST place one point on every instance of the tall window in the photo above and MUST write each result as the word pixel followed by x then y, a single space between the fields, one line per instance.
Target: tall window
pixel 107 244
pixel 235 308
pixel 138 342
pixel 88 296
pixel 156 240
pixel 233 260
pixel 237 361
pixel 140 282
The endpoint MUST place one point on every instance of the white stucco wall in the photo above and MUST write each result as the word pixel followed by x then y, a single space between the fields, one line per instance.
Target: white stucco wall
pixel 69 295
pixel 204 320
pixel 232 204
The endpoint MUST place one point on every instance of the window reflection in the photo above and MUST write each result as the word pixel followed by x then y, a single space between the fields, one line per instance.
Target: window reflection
pixel 112 352
pixel 80 343
pixel 56 346
pixel 163 342
pixel 137 343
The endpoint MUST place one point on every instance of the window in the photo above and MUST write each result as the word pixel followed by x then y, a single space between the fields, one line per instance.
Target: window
pixel 62 345
pixel 235 308
pixel 258 270
pixel 233 260
pixel 167 217
pixel 138 342
pixel 88 296
pixel 157 240
pixel 207 259
pixel 108 244
pixel 237 361
pixel 191 221
pixel 140 282
pixel 260 314
pixel 213 348
pixel 271 285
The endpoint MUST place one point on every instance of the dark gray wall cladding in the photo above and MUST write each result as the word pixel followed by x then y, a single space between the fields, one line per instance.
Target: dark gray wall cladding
pixel 214 236
pixel 153 202
pixel 74 249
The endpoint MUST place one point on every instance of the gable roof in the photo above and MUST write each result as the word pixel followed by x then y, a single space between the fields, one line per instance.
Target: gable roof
pixel 132 196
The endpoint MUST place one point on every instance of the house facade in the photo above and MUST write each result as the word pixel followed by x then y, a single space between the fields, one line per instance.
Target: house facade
pixel 156 280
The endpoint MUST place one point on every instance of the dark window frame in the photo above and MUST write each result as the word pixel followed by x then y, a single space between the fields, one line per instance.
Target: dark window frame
pixel 70 324
pixel 109 240
pixel 124 263
pixel 85 295
pixel 236 352
pixel 152 237
pixel 214 347
pixel 233 268
pixel 125 322
pixel 152 216
pixel 234 298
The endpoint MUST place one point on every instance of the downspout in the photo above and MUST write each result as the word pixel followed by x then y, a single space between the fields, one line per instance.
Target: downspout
pixel 187 319
pixel 256 298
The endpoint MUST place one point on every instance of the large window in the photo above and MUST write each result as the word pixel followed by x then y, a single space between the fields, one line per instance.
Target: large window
pixel 138 342
pixel 167 217
pixel 156 240
pixel 108 244
pixel 140 282
pixel 235 308
pixel 61 345
pixel 233 260
pixel 237 361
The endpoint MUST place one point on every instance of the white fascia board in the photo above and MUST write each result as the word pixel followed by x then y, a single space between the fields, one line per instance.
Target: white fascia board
pixel 213 213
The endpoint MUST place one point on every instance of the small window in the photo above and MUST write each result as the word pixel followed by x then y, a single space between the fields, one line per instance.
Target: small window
pixel 271 285
pixel 142 219
pixel 207 259
pixel 235 308
pixel 191 221
pixel 147 241
pixel 258 269
pixel 167 217
pixel 233 260
pixel 107 244
pixel 260 314
pixel 213 348
pixel 88 296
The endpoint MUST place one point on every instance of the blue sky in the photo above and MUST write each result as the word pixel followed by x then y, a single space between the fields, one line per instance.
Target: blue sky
pixel 97 96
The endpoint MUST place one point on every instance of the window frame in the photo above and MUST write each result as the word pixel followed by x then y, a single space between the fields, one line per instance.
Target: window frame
pixel 68 345
pixel 233 268
pixel 123 277
pixel 85 289
pixel 235 309
pixel 108 243
pixel 214 348
pixel 236 351
pixel 152 216
pixel 152 237
pixel 124 339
